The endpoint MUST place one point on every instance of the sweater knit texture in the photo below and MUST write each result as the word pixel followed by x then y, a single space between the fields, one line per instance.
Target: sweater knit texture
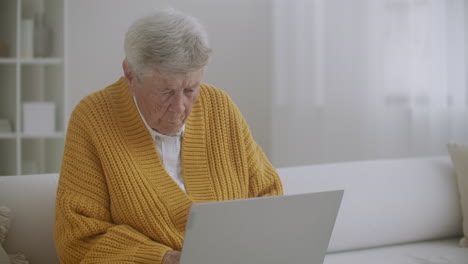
pixel 115 201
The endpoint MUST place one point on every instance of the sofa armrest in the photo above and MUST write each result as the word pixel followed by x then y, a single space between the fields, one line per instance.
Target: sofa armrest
pixel 31 199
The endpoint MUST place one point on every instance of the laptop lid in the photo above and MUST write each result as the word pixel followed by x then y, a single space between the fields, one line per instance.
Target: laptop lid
pixel 266 230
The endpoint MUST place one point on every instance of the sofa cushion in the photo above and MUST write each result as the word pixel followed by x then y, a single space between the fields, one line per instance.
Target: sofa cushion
pixel 4 226
pixel 431 252
pixel 4 259
pixel 31 199
pixel 385 202
pixel 459 154
pixel 4 223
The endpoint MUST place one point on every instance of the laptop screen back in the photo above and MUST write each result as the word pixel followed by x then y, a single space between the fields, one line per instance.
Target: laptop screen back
pixel 267 230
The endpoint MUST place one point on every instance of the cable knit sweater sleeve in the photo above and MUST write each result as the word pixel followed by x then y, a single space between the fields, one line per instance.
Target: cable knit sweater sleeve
pixel 263 178
pixel 84 232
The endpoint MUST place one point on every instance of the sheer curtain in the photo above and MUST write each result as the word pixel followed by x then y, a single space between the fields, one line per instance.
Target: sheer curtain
pixel 368 79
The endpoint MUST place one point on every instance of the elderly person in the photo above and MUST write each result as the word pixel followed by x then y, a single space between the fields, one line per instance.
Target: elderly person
pixel 139 152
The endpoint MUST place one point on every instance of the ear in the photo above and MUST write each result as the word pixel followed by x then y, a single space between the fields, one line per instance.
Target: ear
pixel 130 76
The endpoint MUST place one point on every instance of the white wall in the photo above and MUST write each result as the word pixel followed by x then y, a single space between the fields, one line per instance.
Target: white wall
pixel 240 33
pixel 331 98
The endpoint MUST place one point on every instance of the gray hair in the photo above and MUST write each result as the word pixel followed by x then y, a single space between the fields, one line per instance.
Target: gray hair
pixel 166 41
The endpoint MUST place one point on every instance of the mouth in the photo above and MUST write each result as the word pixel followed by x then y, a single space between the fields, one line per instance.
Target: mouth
pixel 173 125
pixel 175 120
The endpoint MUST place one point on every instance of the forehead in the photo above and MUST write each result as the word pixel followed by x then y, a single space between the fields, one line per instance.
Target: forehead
pixel 173 81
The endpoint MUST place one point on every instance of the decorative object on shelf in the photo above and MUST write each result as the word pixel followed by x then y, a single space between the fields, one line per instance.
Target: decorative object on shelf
pixel 5 126
pixel 27 35
pixel 38 118
pixel 42 36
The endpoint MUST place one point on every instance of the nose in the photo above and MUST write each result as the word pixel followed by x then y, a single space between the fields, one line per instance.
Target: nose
pixel 177 103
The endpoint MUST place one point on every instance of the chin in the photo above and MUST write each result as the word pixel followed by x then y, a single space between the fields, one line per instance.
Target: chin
pixel 172 131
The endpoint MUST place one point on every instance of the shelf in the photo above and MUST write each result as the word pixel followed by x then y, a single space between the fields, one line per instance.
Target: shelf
pixel 32 61
pixel 41 156
pixel 28 78
pixel 8 29
pixel 39 136
pixel 7 135
pixel 41 61
pixel 7 60
pixel 32 136
pixel 8 152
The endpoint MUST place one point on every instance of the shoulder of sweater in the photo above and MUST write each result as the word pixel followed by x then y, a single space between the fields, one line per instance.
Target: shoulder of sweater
pixel 216 97
pixel 92 103
pixel 223 105
pixel 211 90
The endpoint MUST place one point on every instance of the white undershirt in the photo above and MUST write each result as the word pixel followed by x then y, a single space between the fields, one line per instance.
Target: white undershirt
pixel 169 150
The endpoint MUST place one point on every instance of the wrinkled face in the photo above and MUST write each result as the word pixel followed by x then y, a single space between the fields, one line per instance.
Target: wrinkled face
pixel 165 101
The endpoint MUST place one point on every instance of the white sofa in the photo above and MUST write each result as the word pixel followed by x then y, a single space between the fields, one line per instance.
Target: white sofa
pixel 393 211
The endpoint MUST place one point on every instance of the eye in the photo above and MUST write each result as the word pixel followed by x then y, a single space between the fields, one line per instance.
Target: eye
pixel 189 90
pixel 166 92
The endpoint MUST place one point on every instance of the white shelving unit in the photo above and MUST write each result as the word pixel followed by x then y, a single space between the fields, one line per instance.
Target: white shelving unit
pixel 26 78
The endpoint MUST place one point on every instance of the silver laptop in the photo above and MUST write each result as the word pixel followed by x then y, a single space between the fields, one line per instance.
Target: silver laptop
pixel 269 230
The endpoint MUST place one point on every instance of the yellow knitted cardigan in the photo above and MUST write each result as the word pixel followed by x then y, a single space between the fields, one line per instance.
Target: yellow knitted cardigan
pixel 116 203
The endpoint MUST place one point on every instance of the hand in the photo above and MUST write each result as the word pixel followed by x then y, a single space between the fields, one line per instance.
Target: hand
pixel 172 257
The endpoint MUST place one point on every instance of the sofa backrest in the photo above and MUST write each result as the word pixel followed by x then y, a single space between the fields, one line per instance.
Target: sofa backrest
pixel 31 199
pixel 385 201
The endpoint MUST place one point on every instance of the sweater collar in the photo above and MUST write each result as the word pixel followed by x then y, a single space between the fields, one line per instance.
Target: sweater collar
pixel 194 157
